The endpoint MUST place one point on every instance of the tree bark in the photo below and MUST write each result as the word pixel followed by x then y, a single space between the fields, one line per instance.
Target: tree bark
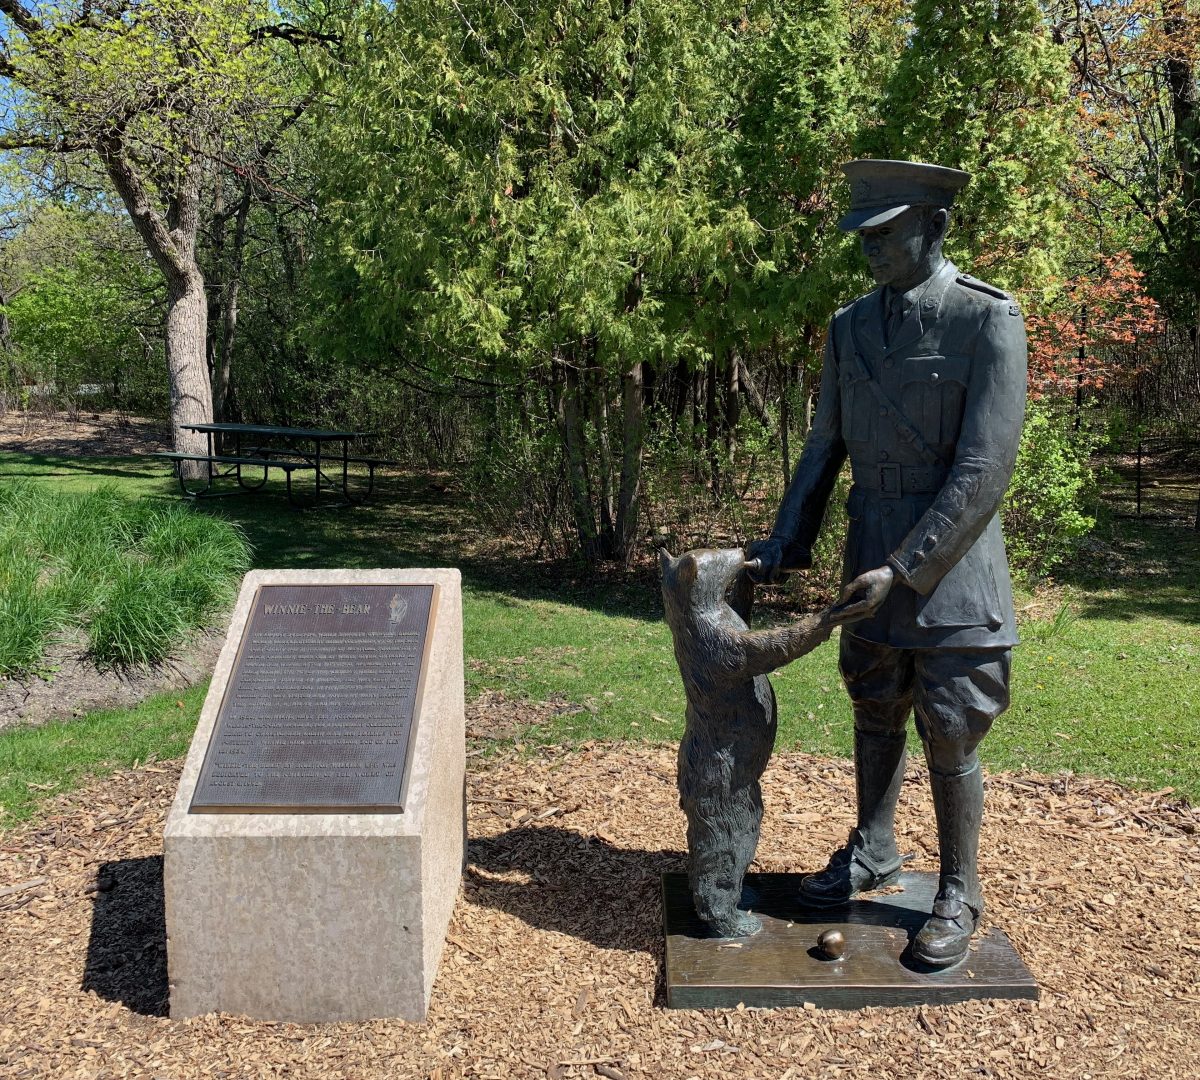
pixel 171 242
pixel 9 394
pixel 732 411
pixel 223 404
pixel 629 497
pixel 754 399
pixel 187 371
pixel 712 428
pixel 570 426
pixel 608 542
pixel 1185 113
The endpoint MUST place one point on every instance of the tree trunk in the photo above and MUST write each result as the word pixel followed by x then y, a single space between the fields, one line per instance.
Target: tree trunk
pixel 608 542
pixel 9 392
pixel 187 370
pixel 223 404
pixel 570 426
pixel 171 242
pixel 629 497
pixel 785 414
pixel 1184 89
pixel 732 412
pixel 711 428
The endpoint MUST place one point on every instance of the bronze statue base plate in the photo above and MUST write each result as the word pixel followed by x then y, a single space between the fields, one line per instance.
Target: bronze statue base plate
pixel 782 965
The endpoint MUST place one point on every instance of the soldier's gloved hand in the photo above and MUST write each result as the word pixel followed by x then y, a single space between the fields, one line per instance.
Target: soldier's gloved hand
pixel 864 595
pixel 768 554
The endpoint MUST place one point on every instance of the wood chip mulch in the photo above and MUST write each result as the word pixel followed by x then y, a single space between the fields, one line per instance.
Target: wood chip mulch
pixel 553 964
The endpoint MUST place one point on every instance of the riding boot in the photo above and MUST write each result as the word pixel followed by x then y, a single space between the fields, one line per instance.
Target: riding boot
pixel 958 804
pixel 869 859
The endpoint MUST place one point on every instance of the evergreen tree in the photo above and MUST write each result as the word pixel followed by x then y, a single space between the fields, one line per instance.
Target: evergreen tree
pixel 982 86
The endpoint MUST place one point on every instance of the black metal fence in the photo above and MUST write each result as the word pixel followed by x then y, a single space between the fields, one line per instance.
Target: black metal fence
pixel 1155 477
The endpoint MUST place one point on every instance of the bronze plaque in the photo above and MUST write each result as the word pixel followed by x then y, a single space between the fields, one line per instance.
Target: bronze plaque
pixel 782 966
pixel 318 713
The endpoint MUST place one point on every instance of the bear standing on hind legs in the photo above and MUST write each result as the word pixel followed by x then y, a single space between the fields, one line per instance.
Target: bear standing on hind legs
pixel 731 720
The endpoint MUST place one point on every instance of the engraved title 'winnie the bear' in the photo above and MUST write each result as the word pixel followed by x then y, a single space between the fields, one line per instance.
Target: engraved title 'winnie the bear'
pixel 731 719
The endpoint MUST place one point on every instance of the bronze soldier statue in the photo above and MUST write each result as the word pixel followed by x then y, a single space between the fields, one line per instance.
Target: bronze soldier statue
pixel 923 388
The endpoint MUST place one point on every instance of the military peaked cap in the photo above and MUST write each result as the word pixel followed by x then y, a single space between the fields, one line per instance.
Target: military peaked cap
pixel 881 190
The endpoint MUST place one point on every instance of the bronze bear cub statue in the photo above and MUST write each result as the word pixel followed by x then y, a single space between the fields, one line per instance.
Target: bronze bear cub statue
pixel 731 719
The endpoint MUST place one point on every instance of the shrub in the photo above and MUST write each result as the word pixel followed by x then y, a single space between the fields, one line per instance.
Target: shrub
pixel 1043 513
pixel 517 490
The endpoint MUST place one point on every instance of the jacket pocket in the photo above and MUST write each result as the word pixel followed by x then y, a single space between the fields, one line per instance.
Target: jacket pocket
pixel 856 406
pixel 932 392
pixel 967 595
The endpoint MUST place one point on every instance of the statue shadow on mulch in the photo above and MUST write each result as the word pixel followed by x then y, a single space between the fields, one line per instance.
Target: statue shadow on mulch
pixel 127 948
pixel 571 883
pixel 574 884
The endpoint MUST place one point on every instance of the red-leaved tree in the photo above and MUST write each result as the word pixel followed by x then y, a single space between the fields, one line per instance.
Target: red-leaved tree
pixel 1076 339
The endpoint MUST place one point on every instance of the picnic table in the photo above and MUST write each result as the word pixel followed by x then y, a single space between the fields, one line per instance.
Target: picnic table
pixel 287 449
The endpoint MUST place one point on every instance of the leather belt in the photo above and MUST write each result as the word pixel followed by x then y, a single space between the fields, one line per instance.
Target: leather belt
pixel 891 480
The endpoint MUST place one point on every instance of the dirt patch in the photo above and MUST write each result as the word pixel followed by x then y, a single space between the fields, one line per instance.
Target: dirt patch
pixel 74 685
pixel 553 964
pixel 495 716
pixel 84 434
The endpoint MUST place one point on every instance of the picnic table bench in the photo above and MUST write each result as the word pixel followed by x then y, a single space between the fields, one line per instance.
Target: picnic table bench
pixel 294 455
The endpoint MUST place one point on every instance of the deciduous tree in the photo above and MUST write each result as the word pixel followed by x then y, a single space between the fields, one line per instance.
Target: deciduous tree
pixel 158 94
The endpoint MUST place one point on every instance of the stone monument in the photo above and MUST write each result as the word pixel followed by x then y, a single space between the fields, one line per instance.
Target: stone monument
pixel 313 853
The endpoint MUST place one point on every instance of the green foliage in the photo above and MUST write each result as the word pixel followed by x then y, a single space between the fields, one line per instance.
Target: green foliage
pixel 173 75
pixel 28 614
pixel 810 75
pixel 505 181
pixel 982 86
pixel 1043 512
pixel 133 575
pixel 85 309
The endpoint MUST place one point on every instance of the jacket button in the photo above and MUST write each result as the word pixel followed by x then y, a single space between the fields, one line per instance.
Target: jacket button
pixel 889 363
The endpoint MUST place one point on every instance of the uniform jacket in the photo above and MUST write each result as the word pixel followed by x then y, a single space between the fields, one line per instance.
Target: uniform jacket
pixel 956 369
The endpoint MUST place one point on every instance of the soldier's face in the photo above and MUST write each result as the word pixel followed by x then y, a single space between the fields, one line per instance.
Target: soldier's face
pixel 896 250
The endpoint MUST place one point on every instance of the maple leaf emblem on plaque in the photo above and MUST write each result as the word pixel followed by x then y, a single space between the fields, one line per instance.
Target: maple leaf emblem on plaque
pixel 397 607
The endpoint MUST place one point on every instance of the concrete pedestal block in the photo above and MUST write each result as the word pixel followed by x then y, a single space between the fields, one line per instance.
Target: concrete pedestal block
pixel 313 917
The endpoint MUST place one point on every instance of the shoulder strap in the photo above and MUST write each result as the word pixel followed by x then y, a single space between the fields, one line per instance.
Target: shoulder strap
pixel 981 286
pixel 907 429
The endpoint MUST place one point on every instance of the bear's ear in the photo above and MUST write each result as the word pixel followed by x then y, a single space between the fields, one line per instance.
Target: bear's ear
pixel 687 569
pixel 665 558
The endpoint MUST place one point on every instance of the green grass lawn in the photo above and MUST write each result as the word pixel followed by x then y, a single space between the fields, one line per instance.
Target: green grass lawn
pixel 1110 687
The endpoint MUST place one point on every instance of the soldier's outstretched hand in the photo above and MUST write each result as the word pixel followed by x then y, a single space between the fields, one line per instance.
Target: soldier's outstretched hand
pixel 764 558
pixel 863 596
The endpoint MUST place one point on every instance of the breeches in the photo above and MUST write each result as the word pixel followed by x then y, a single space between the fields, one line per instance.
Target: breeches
pixel 954 694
